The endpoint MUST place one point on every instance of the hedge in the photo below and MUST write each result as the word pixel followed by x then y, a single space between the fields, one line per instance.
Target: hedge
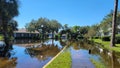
pixel 96 37
pixel 117 39
pixel 106 38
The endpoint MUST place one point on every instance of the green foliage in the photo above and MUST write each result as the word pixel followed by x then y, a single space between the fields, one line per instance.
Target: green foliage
pixel 84 30
pixel 80 37
pixel 31 26
pixel 75 29
pixel 106 23
pixel 1 37
pixel 62 61
pixel 65 27
pixel 91 32
pixel 12 25
pixel 117 39
pixel 8 10
pixel 96 37
pixel 106 38
pixel 43 26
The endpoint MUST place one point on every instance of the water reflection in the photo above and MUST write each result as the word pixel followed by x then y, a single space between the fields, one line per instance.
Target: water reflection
pixel 35 54
pixel 25 41
pixel 43 52
pixel 6 58
pixel 109 59
pixel 8 63
pixel 30 55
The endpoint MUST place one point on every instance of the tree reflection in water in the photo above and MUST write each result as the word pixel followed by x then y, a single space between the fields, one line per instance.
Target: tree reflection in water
pixel 43 52
pixel 6 61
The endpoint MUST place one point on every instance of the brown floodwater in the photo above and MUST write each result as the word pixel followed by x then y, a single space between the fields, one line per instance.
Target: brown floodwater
pixel 29 54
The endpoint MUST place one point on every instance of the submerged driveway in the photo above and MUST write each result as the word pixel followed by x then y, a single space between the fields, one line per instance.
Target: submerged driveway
pixel 80 58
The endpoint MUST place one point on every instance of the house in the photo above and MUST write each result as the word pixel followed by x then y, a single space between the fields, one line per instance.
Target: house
pixel 109 31
pixel 23 33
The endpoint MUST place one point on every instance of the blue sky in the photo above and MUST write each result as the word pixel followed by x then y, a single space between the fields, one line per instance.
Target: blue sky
pixel 71 12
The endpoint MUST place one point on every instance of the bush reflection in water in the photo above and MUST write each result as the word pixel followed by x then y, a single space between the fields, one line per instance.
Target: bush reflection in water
pixel 43 51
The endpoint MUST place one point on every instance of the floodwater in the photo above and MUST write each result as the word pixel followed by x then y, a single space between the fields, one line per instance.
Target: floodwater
pixel 35 54
pixel 29 53
pixel 83 52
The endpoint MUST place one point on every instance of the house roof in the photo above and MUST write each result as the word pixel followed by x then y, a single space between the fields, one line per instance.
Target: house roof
pixel 23 30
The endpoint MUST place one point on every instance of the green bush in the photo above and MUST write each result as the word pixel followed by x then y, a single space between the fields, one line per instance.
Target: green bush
pixel 106 38
pixel 117 39
pixel 80 37
pixel 1 37
pixel 96 37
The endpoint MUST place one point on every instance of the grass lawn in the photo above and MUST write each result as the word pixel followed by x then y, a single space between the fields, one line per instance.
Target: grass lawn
pixel 61 61
pixel 106 44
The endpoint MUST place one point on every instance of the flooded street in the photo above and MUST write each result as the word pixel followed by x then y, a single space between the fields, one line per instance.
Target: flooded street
pixel 35 55
pixel 83 53
pixel 80 59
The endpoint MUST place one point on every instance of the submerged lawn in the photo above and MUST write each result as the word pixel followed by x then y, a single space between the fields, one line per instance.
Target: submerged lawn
pixel 61 61
pixel 106 44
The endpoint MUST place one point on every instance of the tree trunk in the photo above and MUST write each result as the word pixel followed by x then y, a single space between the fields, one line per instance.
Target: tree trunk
pixel 114 23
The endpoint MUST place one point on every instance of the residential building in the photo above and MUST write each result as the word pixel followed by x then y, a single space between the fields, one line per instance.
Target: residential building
pixel 23 33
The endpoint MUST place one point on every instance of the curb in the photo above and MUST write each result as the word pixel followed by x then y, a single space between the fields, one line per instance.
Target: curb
pixel 54 57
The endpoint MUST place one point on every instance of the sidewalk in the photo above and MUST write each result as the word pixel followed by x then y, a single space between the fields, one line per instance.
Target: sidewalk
pixel 80 59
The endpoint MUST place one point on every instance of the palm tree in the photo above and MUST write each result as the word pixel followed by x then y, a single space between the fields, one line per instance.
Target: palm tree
pixel 114 23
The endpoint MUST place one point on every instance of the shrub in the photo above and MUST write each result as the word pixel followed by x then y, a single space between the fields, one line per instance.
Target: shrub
pixel 80 37
pixel 106 38
pixel 1 37
pixel 96 37
pixel 117 39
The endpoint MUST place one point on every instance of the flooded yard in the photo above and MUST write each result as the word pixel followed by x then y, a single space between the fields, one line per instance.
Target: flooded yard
pixel 30 55
pixel 83 53
pixel 35 54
